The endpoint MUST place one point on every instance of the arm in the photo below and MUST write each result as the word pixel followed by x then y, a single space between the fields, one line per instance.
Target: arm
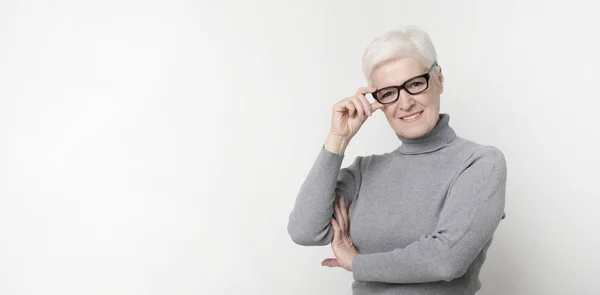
pixel 310 220
pixel 473 210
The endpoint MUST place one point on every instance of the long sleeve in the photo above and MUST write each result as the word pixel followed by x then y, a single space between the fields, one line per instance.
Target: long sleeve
pixel 309 221
pixel 471 213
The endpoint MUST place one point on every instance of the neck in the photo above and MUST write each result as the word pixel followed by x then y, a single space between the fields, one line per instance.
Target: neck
pixel 440 136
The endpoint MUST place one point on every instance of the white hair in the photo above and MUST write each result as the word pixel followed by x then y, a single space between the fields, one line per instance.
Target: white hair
pixel 409 41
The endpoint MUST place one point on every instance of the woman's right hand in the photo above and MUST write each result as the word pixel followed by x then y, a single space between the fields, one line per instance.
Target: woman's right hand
pixel 348 116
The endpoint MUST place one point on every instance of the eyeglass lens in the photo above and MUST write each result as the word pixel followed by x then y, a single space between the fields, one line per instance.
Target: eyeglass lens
pixel 414 86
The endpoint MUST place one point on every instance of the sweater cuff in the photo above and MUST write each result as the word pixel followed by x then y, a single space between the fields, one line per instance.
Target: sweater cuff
pixel 360 268
pixel 368 267
pixel 330 155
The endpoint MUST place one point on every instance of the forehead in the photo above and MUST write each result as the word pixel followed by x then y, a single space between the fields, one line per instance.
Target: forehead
pixel 396 72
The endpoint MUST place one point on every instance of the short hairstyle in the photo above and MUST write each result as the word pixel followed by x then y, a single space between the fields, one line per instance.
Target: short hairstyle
pixel 409 41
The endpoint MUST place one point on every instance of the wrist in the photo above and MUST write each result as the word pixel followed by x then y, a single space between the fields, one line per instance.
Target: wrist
pixel 336 144
pixel 352 257
pixel 351 261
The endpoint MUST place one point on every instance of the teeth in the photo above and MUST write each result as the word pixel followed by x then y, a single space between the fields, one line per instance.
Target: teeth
pixel 411 117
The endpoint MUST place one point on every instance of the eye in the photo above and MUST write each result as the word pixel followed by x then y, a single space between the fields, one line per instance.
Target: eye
pixel 415 84
pixel 387 94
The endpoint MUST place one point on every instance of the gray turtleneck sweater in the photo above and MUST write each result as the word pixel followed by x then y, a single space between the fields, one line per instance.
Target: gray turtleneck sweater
pixel 423 215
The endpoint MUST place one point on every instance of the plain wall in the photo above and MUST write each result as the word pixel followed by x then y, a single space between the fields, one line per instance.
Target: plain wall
pixel 157 147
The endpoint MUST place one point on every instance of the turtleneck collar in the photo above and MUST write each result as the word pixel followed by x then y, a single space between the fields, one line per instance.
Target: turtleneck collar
pixel 437 138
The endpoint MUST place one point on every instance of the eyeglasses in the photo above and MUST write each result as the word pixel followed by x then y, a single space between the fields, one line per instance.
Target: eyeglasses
pixel 414 85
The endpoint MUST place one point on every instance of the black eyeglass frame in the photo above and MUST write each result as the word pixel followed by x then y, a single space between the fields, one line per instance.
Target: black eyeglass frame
pixel 403 86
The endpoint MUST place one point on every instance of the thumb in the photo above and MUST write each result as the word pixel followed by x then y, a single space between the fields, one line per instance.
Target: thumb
pixel 331 262
pixel 376 105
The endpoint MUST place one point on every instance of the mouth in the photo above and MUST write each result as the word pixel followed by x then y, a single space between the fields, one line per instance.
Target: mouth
pixel 412 117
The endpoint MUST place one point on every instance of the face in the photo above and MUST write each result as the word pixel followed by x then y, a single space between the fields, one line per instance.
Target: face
pixel 411 116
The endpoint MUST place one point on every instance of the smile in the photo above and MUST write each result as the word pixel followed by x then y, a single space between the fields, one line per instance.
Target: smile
pixel 412 118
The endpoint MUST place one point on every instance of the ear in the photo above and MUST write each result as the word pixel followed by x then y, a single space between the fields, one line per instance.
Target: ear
pixel 441 80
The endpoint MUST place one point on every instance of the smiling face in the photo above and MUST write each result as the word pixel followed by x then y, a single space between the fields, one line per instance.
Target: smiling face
pixel 411 116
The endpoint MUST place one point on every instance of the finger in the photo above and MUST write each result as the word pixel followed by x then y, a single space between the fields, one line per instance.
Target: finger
pixel 350 107
pixel 349 218
pixel 344 214
pixel 339 215
pixel 340 106
pixel 365 90
pixel 366 105
pixel 349 215
pixel 365 108
pixel 343 220
pixel 376 106
pixel 360 109
pixel 331 262
pixel 337 237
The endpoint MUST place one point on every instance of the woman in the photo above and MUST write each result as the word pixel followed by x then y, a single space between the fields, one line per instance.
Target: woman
pixel 423 215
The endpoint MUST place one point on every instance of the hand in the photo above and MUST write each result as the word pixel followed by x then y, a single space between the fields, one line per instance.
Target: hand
pixel 342 245
pixel 350 113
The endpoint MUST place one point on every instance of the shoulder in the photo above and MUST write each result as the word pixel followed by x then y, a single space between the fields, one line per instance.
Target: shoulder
pixel 485 160
pixel 473 151
pixel 488 153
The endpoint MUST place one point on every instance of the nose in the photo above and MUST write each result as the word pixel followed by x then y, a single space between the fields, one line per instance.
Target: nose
pixel 405 101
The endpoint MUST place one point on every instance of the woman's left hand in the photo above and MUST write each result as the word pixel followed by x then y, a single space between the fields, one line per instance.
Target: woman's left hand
pixel 342 245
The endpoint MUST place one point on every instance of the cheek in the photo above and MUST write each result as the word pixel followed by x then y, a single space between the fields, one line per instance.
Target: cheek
pixel 430 100
pixel 389 110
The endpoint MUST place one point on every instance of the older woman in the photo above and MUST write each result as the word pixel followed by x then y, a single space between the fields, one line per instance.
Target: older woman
pixel 423 215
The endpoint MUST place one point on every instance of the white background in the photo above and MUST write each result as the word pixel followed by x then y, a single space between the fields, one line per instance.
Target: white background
pixel 157 147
